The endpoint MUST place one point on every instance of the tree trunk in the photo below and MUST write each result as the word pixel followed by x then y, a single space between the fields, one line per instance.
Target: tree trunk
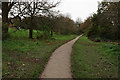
pixel 30 33
pixel 51 33
pixel 5 10
pixel 31 28
pixel 5 16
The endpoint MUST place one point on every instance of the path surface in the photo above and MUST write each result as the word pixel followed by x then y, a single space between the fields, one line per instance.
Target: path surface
pixel 59 64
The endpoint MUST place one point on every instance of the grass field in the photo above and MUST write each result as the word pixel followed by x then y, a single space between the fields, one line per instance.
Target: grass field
pixel 95 60
pixel 24 58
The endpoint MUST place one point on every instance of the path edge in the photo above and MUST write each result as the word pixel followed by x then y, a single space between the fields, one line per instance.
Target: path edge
pixel 71 54
pixel 52 54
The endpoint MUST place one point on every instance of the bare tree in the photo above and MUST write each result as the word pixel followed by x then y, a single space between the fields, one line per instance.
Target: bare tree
pixel 32 9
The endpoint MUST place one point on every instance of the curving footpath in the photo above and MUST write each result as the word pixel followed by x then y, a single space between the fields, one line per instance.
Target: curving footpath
pixel 59 64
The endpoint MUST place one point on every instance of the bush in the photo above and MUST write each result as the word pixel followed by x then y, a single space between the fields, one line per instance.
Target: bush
pixel 44 35
pixel 97 39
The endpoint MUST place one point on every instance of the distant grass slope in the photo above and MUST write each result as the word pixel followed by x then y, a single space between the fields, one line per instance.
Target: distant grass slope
pixel 24 58
pixel 95 60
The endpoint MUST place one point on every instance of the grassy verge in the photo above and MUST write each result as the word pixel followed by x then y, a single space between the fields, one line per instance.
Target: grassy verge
pixel 95 60
pixel 24 58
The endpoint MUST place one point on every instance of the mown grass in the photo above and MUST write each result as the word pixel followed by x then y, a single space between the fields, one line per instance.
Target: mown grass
pixel 95 60
pixel 24 58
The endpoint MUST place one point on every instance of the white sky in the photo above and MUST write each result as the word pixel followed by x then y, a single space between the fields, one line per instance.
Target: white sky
pixel 78 8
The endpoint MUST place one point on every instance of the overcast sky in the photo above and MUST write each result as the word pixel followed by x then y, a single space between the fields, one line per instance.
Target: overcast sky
pixel 78 8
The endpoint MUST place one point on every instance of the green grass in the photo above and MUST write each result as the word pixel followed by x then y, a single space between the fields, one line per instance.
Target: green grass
pixel 24 34
pixel 24 58
pixel 95 60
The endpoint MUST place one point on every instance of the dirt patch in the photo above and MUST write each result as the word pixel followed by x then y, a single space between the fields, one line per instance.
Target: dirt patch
pixel 25 58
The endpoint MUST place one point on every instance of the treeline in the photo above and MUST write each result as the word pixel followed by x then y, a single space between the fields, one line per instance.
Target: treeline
pixel 47 24
pixel 38 16
pixel 58 24
pixel 105 24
